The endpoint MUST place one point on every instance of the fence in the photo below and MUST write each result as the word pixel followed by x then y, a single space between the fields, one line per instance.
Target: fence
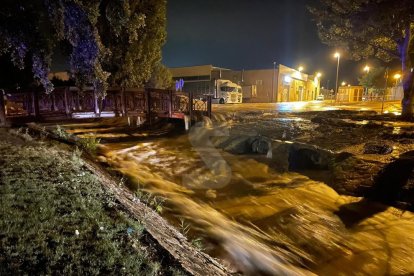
pixel 71 102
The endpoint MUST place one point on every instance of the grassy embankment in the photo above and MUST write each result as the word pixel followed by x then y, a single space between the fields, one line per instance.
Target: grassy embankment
pixel 56 217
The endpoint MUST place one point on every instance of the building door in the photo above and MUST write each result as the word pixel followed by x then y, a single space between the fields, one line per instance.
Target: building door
pixel 300 93
pixel 285 94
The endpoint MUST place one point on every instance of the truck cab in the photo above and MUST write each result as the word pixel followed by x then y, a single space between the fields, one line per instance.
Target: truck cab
pixel 227 92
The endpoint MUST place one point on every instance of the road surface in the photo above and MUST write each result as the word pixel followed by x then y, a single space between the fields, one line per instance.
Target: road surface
pixel 389 106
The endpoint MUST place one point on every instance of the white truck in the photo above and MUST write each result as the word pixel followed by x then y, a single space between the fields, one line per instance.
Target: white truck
pixel 226 91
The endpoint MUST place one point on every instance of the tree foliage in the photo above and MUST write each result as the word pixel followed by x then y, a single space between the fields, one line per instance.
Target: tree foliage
pixel 134 32
pixel 116 42
pixel 375 78
pixel 161 77
pixel 371 28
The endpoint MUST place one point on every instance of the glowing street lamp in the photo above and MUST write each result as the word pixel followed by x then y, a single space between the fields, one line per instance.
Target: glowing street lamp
pixel 397 77
pixel 343 83
pixel 300 69
pixel 338 56
pixel 367 68
pixel 318 83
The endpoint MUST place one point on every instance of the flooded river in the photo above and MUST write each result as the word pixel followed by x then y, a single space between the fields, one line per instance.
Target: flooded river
pixel 262 221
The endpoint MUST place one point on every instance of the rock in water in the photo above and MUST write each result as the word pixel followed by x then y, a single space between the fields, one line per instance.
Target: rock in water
pixel 212 194
pixel 375 148
pixel 260 145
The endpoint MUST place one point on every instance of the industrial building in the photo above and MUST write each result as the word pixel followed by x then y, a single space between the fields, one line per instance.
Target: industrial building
pixel 350 93
pixel 281 84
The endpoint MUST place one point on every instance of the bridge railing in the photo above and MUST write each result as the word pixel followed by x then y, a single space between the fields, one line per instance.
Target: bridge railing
pixel 71 102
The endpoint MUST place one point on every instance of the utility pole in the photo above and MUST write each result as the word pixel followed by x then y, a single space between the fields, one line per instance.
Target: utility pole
pixel 273 80
pixel 385 90
pixel 338 56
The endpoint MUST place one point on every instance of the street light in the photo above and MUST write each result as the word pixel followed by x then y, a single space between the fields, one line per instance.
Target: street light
pixel 397 77
pixel 300 69
pixel 338 56
pixel 343 83
pixel 318 83
pixel 366 69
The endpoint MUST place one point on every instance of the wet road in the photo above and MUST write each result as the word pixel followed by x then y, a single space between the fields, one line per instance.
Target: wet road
pixel 389 106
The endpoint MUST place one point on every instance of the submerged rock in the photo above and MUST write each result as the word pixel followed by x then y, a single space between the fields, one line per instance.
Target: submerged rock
pixel 237 145
pixel 376 148
pixel 351 175
pixel 261 145
pixel 212 194
pixel 307 157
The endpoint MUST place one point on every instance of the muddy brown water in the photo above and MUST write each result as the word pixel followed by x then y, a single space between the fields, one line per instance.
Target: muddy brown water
pixel 261 221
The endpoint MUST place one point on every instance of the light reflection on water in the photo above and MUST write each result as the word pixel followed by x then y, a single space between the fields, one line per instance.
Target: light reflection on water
pixel 272 223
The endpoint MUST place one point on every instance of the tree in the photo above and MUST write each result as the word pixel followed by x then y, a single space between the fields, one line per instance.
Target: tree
pixel 32 29
pixel 134 32
pixel 375 78
pixel 372 28
pixel 161 77
pixel 27 37
pixel 111 41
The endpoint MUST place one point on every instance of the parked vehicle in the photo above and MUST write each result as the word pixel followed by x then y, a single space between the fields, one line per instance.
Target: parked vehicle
pixel 227 92
pixel 320 97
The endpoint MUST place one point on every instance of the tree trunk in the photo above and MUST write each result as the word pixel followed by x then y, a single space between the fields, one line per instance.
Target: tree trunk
pixel 407 59
pixel 2 109
pixel 96 104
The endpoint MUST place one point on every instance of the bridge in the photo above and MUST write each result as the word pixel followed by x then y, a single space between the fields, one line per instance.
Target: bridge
pixel 72 103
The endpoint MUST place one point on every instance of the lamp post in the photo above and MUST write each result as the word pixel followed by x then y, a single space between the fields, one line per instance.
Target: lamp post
pixel 385 90
pixel 338 56
pixel 366 69
pixel 273 80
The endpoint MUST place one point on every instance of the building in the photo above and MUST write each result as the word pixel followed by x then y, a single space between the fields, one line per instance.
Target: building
pixel 63 76
pixel 350 93
pixel 281 84
pixel 296 86
pixel 395 93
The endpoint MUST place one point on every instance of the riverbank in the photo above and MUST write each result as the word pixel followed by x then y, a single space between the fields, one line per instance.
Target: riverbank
pixel 61 214
pixel 263 210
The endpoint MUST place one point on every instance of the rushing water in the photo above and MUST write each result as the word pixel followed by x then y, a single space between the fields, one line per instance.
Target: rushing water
pixel 266 222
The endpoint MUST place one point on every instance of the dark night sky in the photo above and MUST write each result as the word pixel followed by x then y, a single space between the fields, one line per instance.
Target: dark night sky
pixel 247 34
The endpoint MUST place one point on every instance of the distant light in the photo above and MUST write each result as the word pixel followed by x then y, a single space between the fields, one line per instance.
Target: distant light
pixel 349 85
pixel 288 79
pixel 318 75
pixel 337 55
pixel 343 83
pixel 300 69
pixel 367 68
pixel 397 76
